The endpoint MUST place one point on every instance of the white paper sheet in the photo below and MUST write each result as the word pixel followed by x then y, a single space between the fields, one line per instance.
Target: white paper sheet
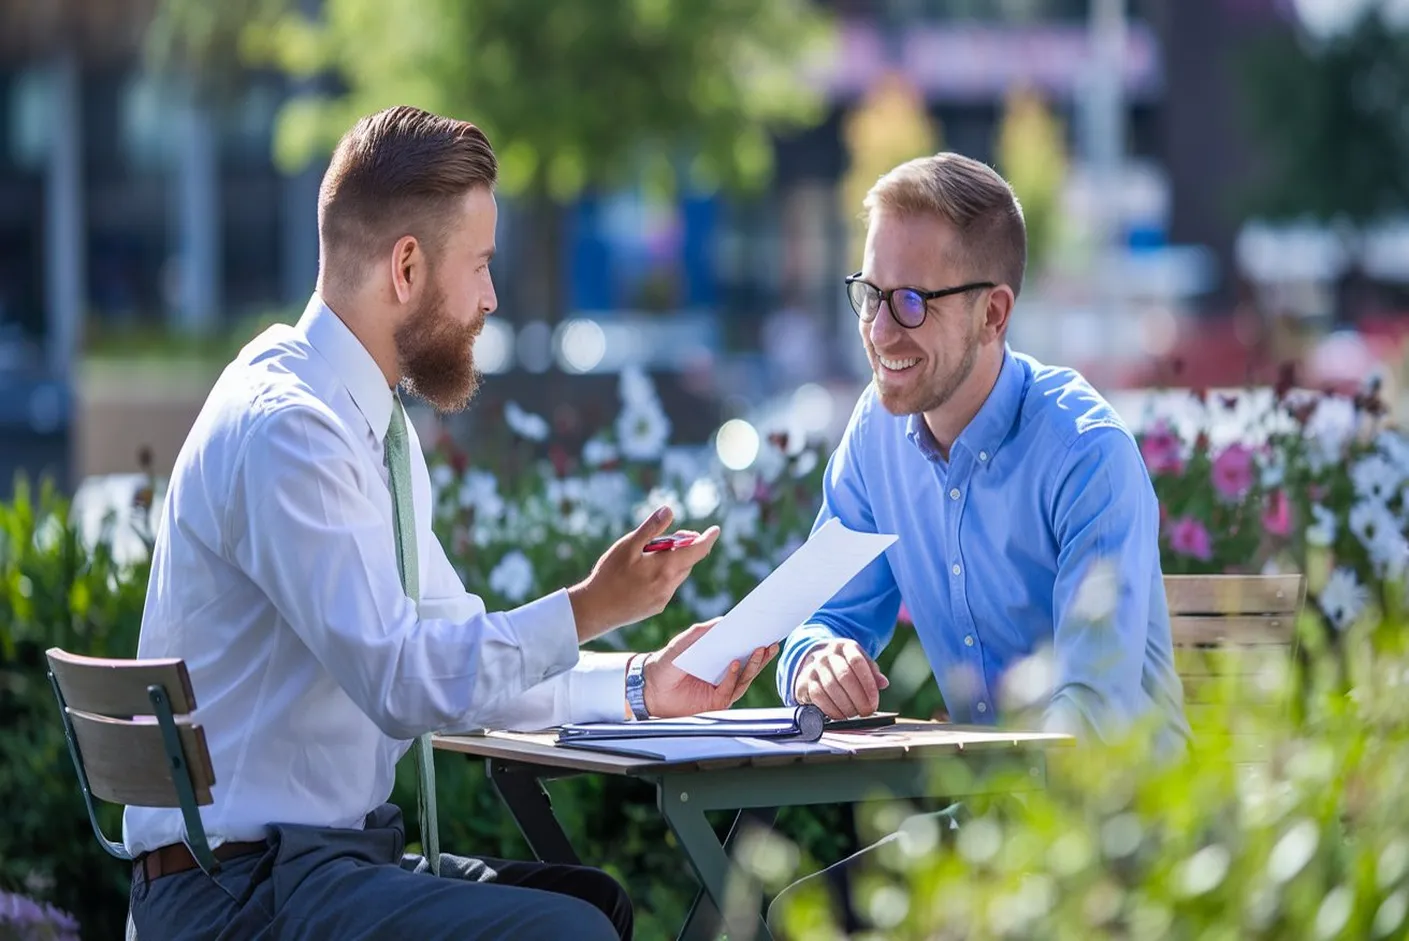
pixel 794 591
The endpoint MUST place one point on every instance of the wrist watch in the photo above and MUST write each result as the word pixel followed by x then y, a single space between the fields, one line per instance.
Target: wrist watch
pixel 636 687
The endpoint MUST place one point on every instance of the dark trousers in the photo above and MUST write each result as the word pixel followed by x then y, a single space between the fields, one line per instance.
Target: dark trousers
pixel 357 885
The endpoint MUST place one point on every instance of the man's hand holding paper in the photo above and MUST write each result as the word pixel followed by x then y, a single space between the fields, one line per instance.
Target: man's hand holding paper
pixel 804 582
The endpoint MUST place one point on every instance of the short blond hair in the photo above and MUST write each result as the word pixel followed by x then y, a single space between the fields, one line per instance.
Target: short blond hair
pixel 972 197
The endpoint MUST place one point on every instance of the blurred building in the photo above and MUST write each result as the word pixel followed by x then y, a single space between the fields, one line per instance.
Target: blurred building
pixel 126 203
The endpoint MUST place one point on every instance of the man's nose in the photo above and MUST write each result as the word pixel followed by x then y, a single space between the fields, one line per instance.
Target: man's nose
pixel 884 327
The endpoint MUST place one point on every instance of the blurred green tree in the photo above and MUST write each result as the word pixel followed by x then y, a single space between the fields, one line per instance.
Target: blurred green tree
pixel 572 95
pixel 1332 116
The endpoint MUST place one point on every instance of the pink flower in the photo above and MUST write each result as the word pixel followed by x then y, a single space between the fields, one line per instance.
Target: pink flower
pixel 1162 449
pixel 904 616
pixel 1232 472
pixel 1190 537
pixel 1277 517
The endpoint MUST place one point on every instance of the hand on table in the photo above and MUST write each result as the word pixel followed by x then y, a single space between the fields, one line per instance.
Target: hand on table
pixel 671 692
pixel 838 678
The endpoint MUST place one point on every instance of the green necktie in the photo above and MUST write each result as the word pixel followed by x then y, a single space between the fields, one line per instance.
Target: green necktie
pixel 398 462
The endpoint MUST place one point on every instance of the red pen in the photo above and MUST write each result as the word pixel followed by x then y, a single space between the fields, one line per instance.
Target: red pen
pixel 665 543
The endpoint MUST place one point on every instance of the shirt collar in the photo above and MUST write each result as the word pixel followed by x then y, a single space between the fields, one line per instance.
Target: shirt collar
pixel 985 434
pixel 351 362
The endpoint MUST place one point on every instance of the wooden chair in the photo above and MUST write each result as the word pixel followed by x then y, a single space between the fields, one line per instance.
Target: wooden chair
pixel 132 741
pixel 1234 637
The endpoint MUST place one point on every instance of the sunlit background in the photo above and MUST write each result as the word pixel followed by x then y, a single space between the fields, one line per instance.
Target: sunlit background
pixel 1213 188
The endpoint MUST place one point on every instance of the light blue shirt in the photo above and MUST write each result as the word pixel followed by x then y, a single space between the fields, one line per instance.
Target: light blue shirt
pixel 1043 488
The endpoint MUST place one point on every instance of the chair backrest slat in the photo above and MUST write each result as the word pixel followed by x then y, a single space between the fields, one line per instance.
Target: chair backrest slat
pixel 1226 595
pixel 1233 638
pixel 1203 630
pixel 119 687
pixel 126 761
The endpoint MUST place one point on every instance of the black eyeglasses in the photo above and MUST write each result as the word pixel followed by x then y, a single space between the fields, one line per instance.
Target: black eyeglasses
pixel 907 305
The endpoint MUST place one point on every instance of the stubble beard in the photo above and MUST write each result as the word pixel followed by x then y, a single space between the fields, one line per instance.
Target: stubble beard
pixel 927 400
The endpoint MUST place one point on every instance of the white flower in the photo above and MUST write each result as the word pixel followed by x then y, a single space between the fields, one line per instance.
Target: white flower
pixel 608 493
pixel 1389 552
pixel 597 452
pixel 642 431
pixel 513 576
pixel 702 498
pixel 805 464
pixel 1330 429
pixel 771 462
pixel 560 490
pixel 636 389
pixel 1370 518
pixel 1344 598
pixel 661 496
pixel 1377 478
pixel 525 424
pixel 1274 468
pixel 1395 446
pixel 680 466
pixel 740 522
pixel 480 492
pixel 1323 531
pixel 442 476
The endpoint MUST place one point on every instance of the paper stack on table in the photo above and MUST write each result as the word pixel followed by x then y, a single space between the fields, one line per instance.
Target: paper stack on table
pixel 727 733
pixel 806 580
pixel 790 723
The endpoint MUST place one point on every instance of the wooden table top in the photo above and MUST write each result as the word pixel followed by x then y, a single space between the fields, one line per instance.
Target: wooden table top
pixel 908 738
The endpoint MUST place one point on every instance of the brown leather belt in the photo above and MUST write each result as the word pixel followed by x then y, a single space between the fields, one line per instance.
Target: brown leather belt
pixel 175 857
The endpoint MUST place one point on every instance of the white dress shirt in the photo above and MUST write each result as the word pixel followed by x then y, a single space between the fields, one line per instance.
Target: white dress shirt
pixel 274 576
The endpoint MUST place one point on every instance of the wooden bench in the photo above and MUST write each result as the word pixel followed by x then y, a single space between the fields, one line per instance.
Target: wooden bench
pixel 133 742
pixel 1234 637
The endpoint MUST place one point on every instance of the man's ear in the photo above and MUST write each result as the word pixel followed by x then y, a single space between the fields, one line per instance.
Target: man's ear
pixel 408 267
pixel 998 310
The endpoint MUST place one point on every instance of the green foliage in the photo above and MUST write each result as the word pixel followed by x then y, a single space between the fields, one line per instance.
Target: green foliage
pixel 1286 831
pixel 1329 117
pixel 56 591
pixel 570 94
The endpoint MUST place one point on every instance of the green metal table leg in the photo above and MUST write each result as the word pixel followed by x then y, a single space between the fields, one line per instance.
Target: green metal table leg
pixel 704 921
pixel 712 867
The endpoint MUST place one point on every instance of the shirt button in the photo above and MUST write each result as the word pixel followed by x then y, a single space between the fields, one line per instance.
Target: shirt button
pixel 982 707
pixel 954 494
pixel 983 455
pixel 956 568
pixel 968 640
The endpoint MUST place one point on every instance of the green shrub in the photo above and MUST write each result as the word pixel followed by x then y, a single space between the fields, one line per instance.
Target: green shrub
pixel 56 591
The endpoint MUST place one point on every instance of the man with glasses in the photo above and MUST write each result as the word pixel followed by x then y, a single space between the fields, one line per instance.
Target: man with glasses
pixel 1028 527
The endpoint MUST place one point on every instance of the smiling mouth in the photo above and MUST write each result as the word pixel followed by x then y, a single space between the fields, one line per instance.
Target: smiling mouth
pixel 896 365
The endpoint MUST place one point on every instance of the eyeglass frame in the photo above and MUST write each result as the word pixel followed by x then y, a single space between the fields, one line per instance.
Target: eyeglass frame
pixel 925 297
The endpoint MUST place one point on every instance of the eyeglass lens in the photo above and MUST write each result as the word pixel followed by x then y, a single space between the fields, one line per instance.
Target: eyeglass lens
pixel 907 306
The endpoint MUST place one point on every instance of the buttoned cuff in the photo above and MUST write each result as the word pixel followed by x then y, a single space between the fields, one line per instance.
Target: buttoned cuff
pixel 547 637
pixel 597 692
